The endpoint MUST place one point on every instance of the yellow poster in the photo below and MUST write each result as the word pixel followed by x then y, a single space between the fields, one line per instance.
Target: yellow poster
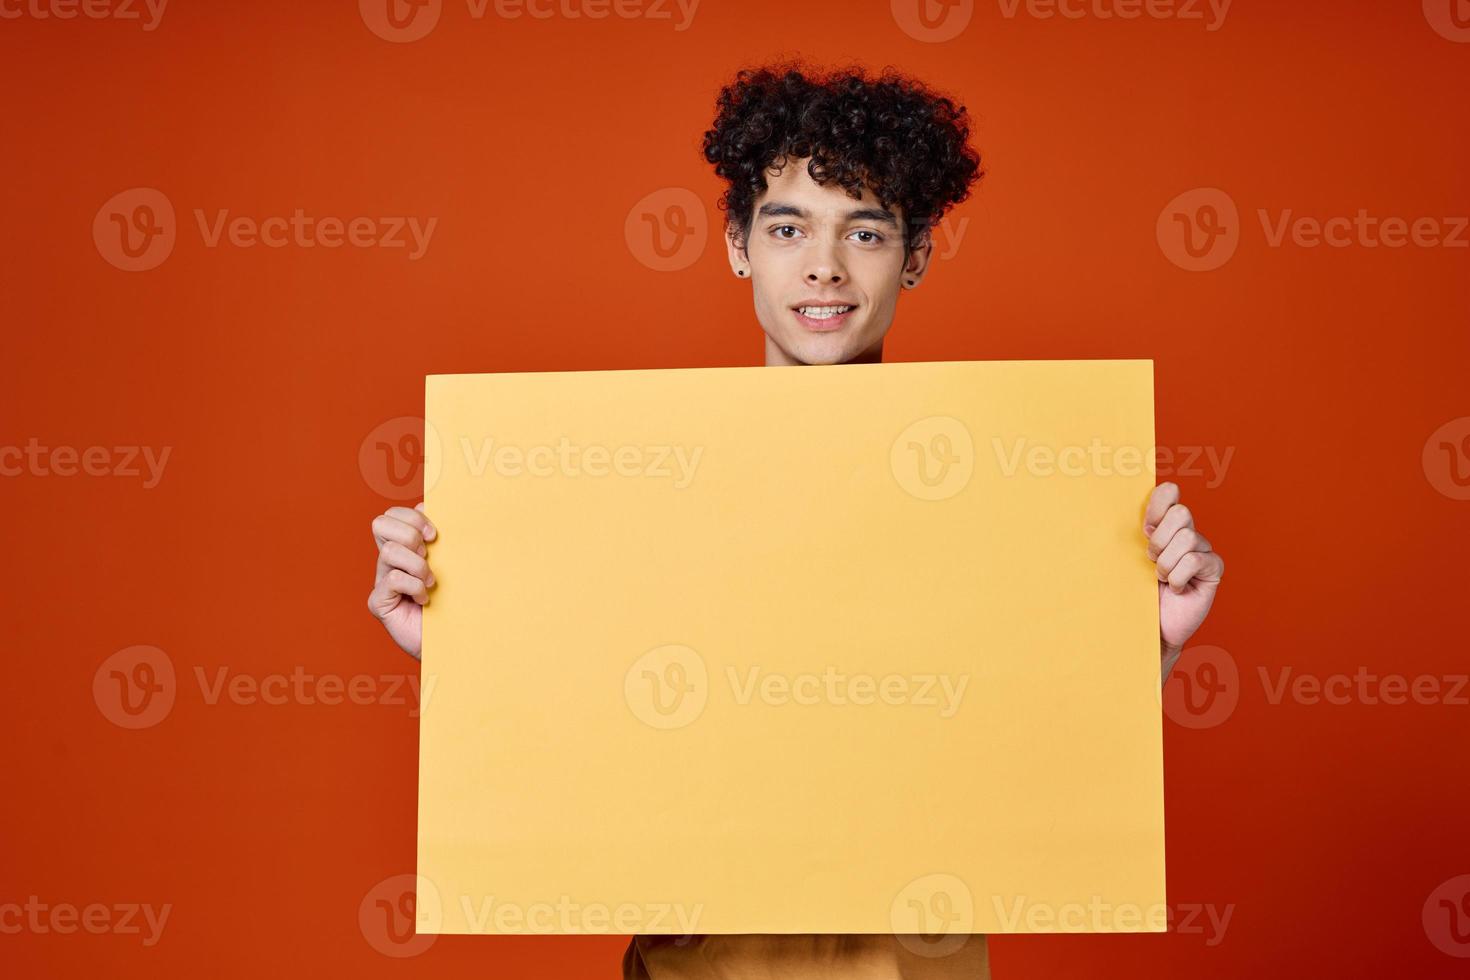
pixel 850 649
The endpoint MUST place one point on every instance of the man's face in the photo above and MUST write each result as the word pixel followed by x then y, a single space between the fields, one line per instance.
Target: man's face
pixel 812 248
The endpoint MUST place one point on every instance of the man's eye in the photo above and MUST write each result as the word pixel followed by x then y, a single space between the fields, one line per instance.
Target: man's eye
pixel 780 228
pixel 872 239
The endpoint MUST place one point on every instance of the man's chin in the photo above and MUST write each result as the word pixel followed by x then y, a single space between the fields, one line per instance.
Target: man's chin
pixel 823 350
pixel 821 357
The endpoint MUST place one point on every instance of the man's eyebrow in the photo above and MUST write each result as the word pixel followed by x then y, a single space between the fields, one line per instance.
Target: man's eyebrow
pixel 881 215
pixel 776 209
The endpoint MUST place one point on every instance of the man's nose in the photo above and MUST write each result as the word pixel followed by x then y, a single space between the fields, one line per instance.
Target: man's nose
pixel 824 266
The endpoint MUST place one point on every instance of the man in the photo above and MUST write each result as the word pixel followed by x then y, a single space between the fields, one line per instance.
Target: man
pixel 834 182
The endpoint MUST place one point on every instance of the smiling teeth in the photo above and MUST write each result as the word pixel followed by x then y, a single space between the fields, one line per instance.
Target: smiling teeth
pixel 822 312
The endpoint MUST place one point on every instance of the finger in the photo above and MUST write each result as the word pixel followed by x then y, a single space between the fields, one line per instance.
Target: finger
pixel 398 583
pixel 1201 567
pixel 1164 496
pixel 1175 518
pixel 394 555
pixel 415 518
pixel 1185 540
pixel 430 532
pixel 385 597
pixel 387 529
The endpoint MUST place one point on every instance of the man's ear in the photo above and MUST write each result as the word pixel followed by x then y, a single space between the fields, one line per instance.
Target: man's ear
pixel 918 262
pixel 735 249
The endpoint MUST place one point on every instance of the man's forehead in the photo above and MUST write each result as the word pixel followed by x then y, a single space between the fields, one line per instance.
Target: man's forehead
pixel 791 192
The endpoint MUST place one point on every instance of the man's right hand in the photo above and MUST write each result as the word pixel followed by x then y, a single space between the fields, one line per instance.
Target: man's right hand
pixel 401 588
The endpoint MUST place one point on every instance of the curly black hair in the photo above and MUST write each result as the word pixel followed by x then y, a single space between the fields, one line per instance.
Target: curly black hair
pixel 892 134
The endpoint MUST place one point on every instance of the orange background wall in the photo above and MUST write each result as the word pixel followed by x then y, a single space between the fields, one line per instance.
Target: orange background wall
pixel 1330 832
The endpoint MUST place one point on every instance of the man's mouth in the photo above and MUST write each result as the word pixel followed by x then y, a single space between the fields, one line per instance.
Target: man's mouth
pixel 823 317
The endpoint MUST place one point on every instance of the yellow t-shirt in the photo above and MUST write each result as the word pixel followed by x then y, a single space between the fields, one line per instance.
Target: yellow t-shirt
pixel 806 957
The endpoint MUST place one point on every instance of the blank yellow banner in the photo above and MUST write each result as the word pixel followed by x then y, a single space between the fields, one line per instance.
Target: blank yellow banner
pixel 861 648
